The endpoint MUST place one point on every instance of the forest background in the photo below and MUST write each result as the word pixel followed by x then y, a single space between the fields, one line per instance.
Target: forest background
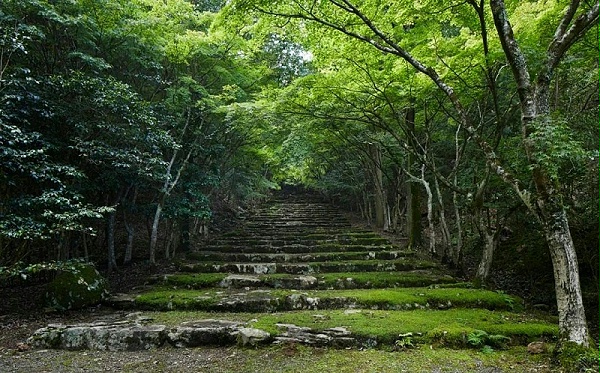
pixel 132 129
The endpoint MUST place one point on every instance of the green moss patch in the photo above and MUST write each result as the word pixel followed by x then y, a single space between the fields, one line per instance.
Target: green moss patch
pixel 191 280
pixel 78 287
pixel 451 328
pixel 375 280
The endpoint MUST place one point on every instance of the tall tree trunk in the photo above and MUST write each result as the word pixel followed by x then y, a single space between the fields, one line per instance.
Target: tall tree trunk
pixel 110 240
pixel 377 177
pixel 490 244
pixel 446 254
pixel 154 234
pixel 130 230
pixel 413 196
pixel 457 252
pixel 571 316
pixel 549 206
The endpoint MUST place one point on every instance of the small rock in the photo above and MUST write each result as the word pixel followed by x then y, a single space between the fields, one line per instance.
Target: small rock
pixel 251 336
pixel 22 347
pixel 537 347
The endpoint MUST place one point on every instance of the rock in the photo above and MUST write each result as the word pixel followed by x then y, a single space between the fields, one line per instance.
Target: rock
pixel 78 288
pixel 204 332
pixel 240 281
pixel 337 337
pixel 120 336
pixel 306 282
pixel 537 348
pixel 251 336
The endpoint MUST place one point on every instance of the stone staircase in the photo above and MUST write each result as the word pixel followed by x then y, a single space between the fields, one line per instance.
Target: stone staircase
pixel 301 241
pixel 294 268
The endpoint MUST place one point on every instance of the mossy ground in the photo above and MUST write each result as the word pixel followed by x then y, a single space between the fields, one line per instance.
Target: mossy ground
pixel 449 328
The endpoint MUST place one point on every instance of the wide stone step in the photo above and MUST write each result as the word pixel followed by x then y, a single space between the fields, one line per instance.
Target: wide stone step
pixel 402 264
pixel 347 235
pixel 336 280
pixel 277 241
pixel 297 257
pixel 298 248
pixel 277 300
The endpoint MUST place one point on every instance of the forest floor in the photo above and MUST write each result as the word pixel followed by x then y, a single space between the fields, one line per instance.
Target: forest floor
pixel 20 316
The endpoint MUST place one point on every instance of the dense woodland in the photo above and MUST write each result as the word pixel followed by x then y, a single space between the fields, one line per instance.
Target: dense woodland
pixel 130 129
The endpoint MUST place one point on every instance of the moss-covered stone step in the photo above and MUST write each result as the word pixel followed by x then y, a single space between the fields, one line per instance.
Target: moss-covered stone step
pixel 297 257
pixel 344 234
pixel 297 226
pixel 358 280
pixel 299 248
pixel 278 300
pixel 305 240
pixel 402 264
pixel 454 328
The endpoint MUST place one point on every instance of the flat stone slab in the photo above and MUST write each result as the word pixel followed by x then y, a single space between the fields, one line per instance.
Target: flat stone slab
pixel 130 335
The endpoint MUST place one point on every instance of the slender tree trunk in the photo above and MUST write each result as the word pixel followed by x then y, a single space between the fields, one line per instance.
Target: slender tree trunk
pixel 490 244
pixel 154 234
pixel 413 196
pixel 129 247
pixel 377 177
pixel 432 235
pixel 446 255
pixel 130 231
pixel 110 238
pixel 457 251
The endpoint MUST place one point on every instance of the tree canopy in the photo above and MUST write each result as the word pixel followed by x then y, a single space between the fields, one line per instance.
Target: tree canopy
pixel 164 114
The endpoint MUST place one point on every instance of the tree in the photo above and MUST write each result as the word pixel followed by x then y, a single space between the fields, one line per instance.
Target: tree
pixel 372 25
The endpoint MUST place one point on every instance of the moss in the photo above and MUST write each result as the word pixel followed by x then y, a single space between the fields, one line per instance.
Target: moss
pixel 76 288
pixel 374 280
pixel 448 328
pixel 195 280
pixel 576 358
pixel 219 299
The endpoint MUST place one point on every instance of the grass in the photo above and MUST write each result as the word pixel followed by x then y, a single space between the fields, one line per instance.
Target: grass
pixel 277 300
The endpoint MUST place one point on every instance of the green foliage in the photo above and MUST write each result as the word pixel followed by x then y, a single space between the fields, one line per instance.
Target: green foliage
pixel 555 149
pixel 576 358
pixel 485 341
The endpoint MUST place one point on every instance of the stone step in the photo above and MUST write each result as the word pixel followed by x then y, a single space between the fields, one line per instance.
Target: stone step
pixel 298 248
pixel 347 235
pixel 218 256
pixel 277 241
pixel 364 280
pixel 402 264
pixel 279 300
